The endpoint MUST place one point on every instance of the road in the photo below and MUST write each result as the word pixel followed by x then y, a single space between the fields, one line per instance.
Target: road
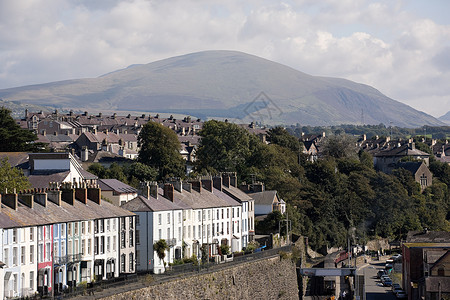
pixel 374 289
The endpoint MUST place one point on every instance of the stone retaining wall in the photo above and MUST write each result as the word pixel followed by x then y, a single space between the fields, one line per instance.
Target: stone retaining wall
pixel 270 278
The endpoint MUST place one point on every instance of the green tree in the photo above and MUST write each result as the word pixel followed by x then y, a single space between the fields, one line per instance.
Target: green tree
pixel 160 149
pixel 280 136
pixel 160 247
pixel 224 147
pixel 339 146
pixel 14 138
pixel 12 178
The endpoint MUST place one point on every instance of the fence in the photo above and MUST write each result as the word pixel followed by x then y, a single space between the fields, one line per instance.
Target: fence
pixel 171 272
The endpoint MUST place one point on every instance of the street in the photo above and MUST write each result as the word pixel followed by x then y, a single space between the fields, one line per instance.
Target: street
pixel 374 289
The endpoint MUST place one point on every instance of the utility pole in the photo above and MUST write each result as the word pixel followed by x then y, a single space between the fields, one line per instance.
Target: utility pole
pixel 287 228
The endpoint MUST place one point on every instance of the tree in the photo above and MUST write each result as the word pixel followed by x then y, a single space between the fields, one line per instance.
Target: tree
pixel 14 138
pixel 339 146
pixel 160 149
pixel 160 247
pixel 280 136
pixel 12 178
pixel 224 147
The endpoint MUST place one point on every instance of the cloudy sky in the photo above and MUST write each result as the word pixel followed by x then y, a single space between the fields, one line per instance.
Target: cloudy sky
pixel 400 47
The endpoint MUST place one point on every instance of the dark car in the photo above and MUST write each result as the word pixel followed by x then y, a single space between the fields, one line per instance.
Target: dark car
pixel 381 273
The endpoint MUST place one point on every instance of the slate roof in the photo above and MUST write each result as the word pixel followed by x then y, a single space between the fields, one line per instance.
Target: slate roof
pixel 140 204
pixel 52 213
pixel 236 193
pixel 411 166
pixel 116 186
pixel 428 237
pixel 42 179
pixel 16 159
pixel 264 197
pixel 404 150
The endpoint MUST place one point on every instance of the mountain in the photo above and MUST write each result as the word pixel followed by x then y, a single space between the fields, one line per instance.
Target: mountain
pixel 445 118
pixel 226 84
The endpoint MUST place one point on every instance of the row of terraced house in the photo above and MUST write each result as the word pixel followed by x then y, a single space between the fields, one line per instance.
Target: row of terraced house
pixel 64 232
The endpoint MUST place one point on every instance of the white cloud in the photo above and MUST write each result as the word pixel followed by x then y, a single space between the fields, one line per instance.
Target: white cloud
pixel 380 43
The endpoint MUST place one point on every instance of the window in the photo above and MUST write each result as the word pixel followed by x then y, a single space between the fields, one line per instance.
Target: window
pixel 96 226
pixel 69 229
pixel 15 256
pixel 123 223
pixel 193 231
pixel 218 214
pixel 41 252
pixel 55 249
pixel 209 214
pixel 69 247
pixel 130 238
pixel 213 230
pixel 228 227
pixel 238 212
pixel 89 246
pixel 83 247
pixel 32 280
pixel 40 233
pixel 218 229
pixel 237 227
pixel 107 225
pixel 32 254
pixel 130 219
pixel 47 232
pixel 96 245
pixel 209 230
pixel 179 217
pixel 114 224
pixel 122 263
pixel 89 226
pixel 63 230
pixel 108 241
pixel 137 220
pixel 168 233
pixel 83 227
pixel 137 238
pixel 22 255
pixel 32 234
pixel 168 218
pixel 232 212
pixel 159 234
pixel 102 244
pixel 5 256
pixel 14 235
pixel 102 225
pixel 122 239
pixel 114 244
pixel 179 233
pixel 199 232
pixel 131 262
pixel 228 213
pixel 63 248
pixel 159 219
pixel 199 216
pixel 75 225
pixel 203 231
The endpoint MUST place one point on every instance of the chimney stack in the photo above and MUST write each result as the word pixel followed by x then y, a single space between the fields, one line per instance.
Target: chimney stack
pixel 177 184
pixel 217 182
pixel 94 193
pixel 168 191
pixel 81 193
pixel 233 179
pixel 225 179
pixel 54 196
pixel 67 193
pixel 26 199
pixel 207 183
pixel 41 198
pixel 10 200
pixel 196 185
pixel 187 186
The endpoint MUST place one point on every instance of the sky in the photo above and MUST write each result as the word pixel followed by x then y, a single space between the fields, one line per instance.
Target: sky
pixel 400 47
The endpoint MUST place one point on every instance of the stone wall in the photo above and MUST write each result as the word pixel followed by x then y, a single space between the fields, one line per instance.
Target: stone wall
pixel 271 278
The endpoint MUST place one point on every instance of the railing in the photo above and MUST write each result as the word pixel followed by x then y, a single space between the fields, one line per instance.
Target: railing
pixel 62 260
pixel 171 242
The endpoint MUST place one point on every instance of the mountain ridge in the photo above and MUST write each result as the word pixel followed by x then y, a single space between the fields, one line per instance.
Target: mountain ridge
pixel 227 84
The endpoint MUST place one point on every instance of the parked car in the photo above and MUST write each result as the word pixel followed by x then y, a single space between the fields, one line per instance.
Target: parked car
pixel 381 273
pixel 396 288
pixel 387 282
pixel 401 295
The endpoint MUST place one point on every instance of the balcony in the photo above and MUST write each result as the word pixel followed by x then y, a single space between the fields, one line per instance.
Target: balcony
pixel 62 260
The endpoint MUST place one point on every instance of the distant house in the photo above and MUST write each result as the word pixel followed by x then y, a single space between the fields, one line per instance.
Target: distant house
pixel 267 202
pixel 310 149
pixel 118 192
pixel 426 265
pixel 420 171
pixel 386 160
